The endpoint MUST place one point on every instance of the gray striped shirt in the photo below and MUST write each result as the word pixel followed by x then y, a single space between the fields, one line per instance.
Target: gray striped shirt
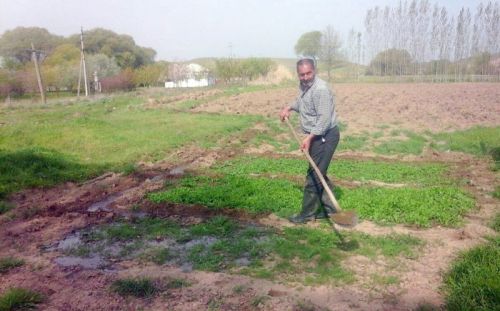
pixel 316 107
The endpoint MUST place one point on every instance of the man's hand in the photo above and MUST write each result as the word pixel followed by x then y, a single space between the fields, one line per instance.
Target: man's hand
pixel 306 143
pixel 285 113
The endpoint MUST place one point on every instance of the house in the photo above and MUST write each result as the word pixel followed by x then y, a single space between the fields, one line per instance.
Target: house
pixel 190 75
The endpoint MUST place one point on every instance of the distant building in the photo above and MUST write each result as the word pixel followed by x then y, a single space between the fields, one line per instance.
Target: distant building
pixel 191 75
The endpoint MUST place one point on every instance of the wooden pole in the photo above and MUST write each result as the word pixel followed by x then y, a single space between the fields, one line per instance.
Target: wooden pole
pixel 83 67
pixel 38 76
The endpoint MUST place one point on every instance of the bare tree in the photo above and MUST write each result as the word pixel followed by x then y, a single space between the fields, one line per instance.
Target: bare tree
pixel 330 45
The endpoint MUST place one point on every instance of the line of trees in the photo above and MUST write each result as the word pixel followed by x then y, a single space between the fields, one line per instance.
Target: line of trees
pixel 417 38
pixel 115 59
pixel 232 70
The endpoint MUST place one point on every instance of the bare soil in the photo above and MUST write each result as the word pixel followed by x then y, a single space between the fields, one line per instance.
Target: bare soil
pixel 366 107
pixel 45 216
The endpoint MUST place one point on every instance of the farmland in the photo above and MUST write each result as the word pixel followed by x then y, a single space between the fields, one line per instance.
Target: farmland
pixel 166 199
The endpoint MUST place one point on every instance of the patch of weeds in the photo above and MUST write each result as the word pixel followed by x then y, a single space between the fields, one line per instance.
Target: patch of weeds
pixel 79 251
pixel 385 279
pixel 428 307
pixel 383 126
pixel 129 169
pixel 29 212
pixel 5 207
pixel 472 282
pixel 305 305
pixel 259 301
pixel 158 255
pixel 495 223
pixel 141 288
pixel 178 283
pixel 255 195
pixel 7 263
pixel 219 226
pixel 392 245
pixel 377 134
pixel 342 126
pixel 215 304
pixel 239 289
pixel 310 256
pixel 353 143
pixel 135 208
pixel 413 145
pixel 204 259
pixel 395 132
pixel 19 298
pixel 495 154
pixel 423 207
pixel 390 172
pixel 142 228
pixel 477 140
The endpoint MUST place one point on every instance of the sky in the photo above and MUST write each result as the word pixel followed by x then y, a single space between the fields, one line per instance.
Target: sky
pixel 187 29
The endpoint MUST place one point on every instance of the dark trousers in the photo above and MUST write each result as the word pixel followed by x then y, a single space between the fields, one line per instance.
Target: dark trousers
pixel 321 151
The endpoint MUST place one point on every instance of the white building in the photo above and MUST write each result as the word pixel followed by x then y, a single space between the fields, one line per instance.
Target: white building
pixel 191 75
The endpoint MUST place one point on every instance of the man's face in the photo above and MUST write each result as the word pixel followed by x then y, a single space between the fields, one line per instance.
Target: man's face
pixel 306 74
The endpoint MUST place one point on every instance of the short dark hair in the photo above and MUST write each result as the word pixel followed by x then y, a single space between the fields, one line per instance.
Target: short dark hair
pixel 306 61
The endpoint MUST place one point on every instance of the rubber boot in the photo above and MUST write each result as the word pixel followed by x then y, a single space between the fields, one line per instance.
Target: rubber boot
pixel 310 204
pixel 328 206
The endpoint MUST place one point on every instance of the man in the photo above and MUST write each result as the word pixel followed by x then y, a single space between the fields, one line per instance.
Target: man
pixel 316 107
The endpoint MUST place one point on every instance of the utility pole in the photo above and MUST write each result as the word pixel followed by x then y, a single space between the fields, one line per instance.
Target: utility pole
pixel 82 68
pixel 34 57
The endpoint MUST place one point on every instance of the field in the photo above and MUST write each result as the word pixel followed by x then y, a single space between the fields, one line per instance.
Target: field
pixel 177 200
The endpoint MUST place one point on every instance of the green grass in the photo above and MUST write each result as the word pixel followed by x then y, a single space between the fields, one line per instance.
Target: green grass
pixel 473 280
pixel 413 145
pixel 19 299
pixel 391 245
pixel 218 226
pixel 47 145
pixel 495 223
pixel 142 228
pixel 39 167
pixel 423 207
pixel 477 140
pixel 313 256
pixel 255 195
pixel 7 263
pixel 353 143
pixel 178 283
pixel 141 288
pixel 5 206
pixel 389 172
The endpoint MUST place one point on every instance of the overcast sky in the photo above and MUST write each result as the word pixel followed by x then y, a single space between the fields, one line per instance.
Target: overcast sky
pixel 186 29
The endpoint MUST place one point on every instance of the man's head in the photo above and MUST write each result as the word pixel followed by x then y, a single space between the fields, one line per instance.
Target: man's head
pixel 306 71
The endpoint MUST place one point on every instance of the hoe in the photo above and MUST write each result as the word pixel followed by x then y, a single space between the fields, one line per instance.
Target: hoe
pixel 344 218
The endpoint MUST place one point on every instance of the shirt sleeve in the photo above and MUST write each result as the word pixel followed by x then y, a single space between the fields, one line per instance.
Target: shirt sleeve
pixel 294 105
pixel 323 104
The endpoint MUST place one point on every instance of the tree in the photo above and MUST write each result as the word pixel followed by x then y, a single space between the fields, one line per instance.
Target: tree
pixel 120 47
pixel 309 44
pixel 15 44
pixel 148 75
pixel 102 65
pixel 330 46
pixel 60 68
pixel 390 61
